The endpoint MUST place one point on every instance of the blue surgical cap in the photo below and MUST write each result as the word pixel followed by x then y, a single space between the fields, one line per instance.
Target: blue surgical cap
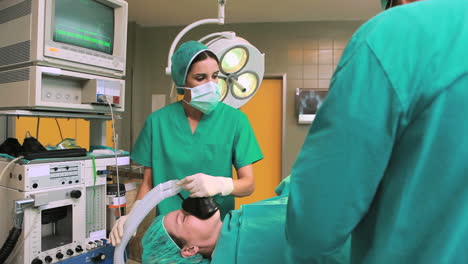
pixel 159 248
pixel 181 60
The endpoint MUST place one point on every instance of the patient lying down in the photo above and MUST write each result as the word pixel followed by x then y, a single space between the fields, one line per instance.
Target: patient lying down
pixel 180 237
pixel 253 234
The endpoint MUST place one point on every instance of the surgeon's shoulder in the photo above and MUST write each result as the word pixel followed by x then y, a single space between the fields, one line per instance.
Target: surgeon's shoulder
pixel 229 110
pixel 231 113
pixel 165 112
pixel 391 27
pixel 379 32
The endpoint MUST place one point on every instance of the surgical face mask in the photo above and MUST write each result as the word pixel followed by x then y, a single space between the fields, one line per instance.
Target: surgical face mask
pixel 205 97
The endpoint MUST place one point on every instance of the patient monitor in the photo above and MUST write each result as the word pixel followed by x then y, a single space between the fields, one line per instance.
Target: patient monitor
pixel 63 55
pixel 86 36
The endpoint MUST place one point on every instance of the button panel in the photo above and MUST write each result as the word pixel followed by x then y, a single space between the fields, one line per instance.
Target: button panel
pixel 84 56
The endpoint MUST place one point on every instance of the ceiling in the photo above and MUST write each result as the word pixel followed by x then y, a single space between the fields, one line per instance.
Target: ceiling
pixel 183 12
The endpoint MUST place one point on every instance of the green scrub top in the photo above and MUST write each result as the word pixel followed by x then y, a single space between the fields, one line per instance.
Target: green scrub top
pixel 386 159
pixel 222 139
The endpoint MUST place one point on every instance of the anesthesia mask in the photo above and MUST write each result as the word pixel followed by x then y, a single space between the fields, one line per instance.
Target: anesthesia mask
pixel 200 207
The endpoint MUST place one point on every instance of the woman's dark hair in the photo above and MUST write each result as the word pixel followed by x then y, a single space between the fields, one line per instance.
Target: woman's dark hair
pixel 203 56
pixel 393 3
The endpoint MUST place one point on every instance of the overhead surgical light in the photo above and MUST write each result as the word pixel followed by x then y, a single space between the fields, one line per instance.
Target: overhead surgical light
pixel 242 66
pixel 223 88
pixel 234 60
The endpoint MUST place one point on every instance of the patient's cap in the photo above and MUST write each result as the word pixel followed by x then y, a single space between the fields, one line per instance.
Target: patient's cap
pixel 159 248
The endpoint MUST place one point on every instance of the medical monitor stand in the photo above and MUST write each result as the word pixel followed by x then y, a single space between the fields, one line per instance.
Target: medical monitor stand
pixel 97 123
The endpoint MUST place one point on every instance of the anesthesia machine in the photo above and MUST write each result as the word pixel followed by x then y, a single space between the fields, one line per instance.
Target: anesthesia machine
pixel 66 59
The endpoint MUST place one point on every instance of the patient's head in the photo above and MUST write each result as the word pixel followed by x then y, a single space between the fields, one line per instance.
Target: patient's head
pixel 191 234
pixel 180 237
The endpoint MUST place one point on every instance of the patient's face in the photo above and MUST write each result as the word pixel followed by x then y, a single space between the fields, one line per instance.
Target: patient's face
pixel 192 230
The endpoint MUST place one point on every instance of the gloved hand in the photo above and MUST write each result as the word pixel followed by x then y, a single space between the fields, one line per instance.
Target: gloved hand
pixel 117 231
pixel 202 185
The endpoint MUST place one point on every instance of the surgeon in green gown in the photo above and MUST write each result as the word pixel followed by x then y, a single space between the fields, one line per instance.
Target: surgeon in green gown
pixel 386 159
pixel 252 234
pixel 185 139
pixel 198 139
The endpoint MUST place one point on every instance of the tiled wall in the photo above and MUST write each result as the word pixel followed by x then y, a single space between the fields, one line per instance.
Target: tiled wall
pixel 314 61
pixel 307 51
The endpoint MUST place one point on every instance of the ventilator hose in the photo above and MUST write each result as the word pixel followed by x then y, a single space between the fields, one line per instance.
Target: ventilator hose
pixel 139 212
pixel 9 244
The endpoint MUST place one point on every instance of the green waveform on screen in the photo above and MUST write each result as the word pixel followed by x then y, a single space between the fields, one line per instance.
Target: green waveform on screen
pixel 82 37
pixel 88 32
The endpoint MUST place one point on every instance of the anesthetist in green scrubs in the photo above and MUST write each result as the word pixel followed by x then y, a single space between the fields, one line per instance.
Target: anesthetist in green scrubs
pixel 386 159
pixel 197 138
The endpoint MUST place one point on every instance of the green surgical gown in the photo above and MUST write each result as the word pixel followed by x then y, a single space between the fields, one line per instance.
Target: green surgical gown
pixel 222 139
pixel 255 234
pixel 386 159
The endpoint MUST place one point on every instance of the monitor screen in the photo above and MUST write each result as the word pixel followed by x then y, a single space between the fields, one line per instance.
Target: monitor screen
pixel 84 23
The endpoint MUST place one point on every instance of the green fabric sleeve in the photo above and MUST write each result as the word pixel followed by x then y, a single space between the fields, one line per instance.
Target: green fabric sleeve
pixel 142 152
pixel 284 188
pixel 226 247
pixel 246 148
pixel 342 161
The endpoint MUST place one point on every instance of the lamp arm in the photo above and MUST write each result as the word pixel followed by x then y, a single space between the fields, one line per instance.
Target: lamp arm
pixel 224 34
pixel 221 4
pixel 219 20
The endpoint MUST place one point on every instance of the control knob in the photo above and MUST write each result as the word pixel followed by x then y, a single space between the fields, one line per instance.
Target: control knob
pixel 75 194
pixel 70 252
pixel 78 249
pixel 59 255
pixel 36 261
pixel 48 259
pixel 99 257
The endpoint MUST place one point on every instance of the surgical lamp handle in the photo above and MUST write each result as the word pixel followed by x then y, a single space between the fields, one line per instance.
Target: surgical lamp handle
pixel 219 20
pixel 238 84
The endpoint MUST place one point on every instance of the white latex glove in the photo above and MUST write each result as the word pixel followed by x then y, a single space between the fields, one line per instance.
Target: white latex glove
pixel 202 185
pixel 117 231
